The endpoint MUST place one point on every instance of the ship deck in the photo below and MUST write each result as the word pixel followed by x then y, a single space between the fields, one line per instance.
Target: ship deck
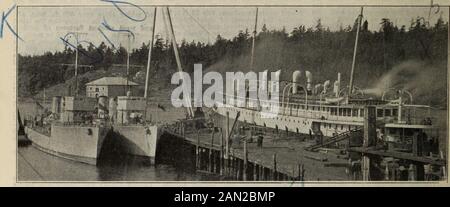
pixel 324 165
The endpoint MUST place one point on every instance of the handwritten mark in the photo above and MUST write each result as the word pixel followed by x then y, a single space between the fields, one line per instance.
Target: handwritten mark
pixel 66 42
pixel 106 38
pixel 107 26
pixel 435 6
pixel 116 4
pixel 5 21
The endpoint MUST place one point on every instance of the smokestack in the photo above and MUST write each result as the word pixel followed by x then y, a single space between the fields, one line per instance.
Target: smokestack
pixel 274 85
pixel 296 79
pixel 263 80
pixel 317 88
pixel 337 85
pixel 308 80
pixel 326 85
pixel 240 100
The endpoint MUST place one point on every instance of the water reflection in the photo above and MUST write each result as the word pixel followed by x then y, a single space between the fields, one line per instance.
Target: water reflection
pixel 35 165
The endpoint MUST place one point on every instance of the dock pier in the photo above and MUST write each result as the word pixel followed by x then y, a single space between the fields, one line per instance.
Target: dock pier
pixel 246 152
pixel 246 160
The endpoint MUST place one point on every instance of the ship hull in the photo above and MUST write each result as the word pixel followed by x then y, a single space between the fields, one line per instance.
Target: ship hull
pixel 297 124
pixel 84 144
pixel 77 143
pixel 138 140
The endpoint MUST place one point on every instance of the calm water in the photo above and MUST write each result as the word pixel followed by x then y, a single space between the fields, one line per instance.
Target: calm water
pixel 35 165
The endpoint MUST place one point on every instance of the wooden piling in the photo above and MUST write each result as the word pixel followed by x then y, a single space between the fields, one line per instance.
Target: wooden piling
pixel 411 173
pixel 202 163
pixel 227 146
pixel 274 166
pixel 215 168
pixel 217 162
pixel 231 167
pixel 261 172
pixel 366 167
pixel 182 129
pixel 369 139
pixel 197 152
pixel 417 149
pixel 238 169
pixel 443 169
pixel 245 161
pixel 212 138
pixel 210 153
pixel 300 172
pixel 255 168
pixel 221 153
pixel 227 166
pixel 235 168
pixel 210 167
pixel 293 173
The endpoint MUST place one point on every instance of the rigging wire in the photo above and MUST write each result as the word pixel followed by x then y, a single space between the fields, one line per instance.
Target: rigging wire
pixel 166 27
pixel 198 23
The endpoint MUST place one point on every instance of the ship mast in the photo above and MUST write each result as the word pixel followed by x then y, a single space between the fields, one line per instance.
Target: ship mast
pixel 253 41
pixel 76 34
pixel 45 98
pixel 128 62
pixel 76 67
pixel 149 58
pixel 350 90
pixel 177 58
pixel 247 87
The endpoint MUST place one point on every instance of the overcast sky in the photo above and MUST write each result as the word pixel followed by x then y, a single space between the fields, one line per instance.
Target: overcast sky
pixel 41 27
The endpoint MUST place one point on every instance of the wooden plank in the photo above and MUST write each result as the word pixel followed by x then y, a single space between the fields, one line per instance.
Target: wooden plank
pixel 399 155
pixel 318 158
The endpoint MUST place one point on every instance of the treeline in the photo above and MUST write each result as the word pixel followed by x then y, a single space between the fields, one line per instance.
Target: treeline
pixel 316 49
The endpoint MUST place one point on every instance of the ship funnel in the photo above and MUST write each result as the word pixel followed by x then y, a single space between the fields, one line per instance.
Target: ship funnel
pixel 317 88
pixel 263 82
pixel 337 85
pixel 308 80
pixel 240 93
pixel 326 85
pixel 274 85
pixel 296 79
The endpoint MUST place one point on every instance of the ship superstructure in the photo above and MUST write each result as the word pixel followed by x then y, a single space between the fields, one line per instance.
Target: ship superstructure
pixel 331 110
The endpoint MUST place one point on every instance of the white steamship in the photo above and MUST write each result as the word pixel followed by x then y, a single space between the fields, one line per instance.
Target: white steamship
pixel 331 111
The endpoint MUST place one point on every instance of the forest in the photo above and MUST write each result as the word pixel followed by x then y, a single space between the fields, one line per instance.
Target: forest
pixel 413 57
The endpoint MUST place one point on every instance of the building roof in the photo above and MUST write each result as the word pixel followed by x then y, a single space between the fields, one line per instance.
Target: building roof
pixel 108 81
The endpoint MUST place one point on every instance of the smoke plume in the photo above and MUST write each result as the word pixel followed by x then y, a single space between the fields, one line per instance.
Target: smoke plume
pixel 426 82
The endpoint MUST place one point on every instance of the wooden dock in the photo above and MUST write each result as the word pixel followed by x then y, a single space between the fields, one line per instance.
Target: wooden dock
pixel 281 157
pixel 254 153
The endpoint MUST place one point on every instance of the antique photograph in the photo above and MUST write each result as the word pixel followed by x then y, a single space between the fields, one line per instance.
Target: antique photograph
pixel 121 91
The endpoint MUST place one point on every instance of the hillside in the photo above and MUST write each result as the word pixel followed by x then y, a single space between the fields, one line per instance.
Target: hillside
pixel 158 89
pixel 412 57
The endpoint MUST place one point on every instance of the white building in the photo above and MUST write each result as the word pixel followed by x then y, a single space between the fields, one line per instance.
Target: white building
pixel 110 87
